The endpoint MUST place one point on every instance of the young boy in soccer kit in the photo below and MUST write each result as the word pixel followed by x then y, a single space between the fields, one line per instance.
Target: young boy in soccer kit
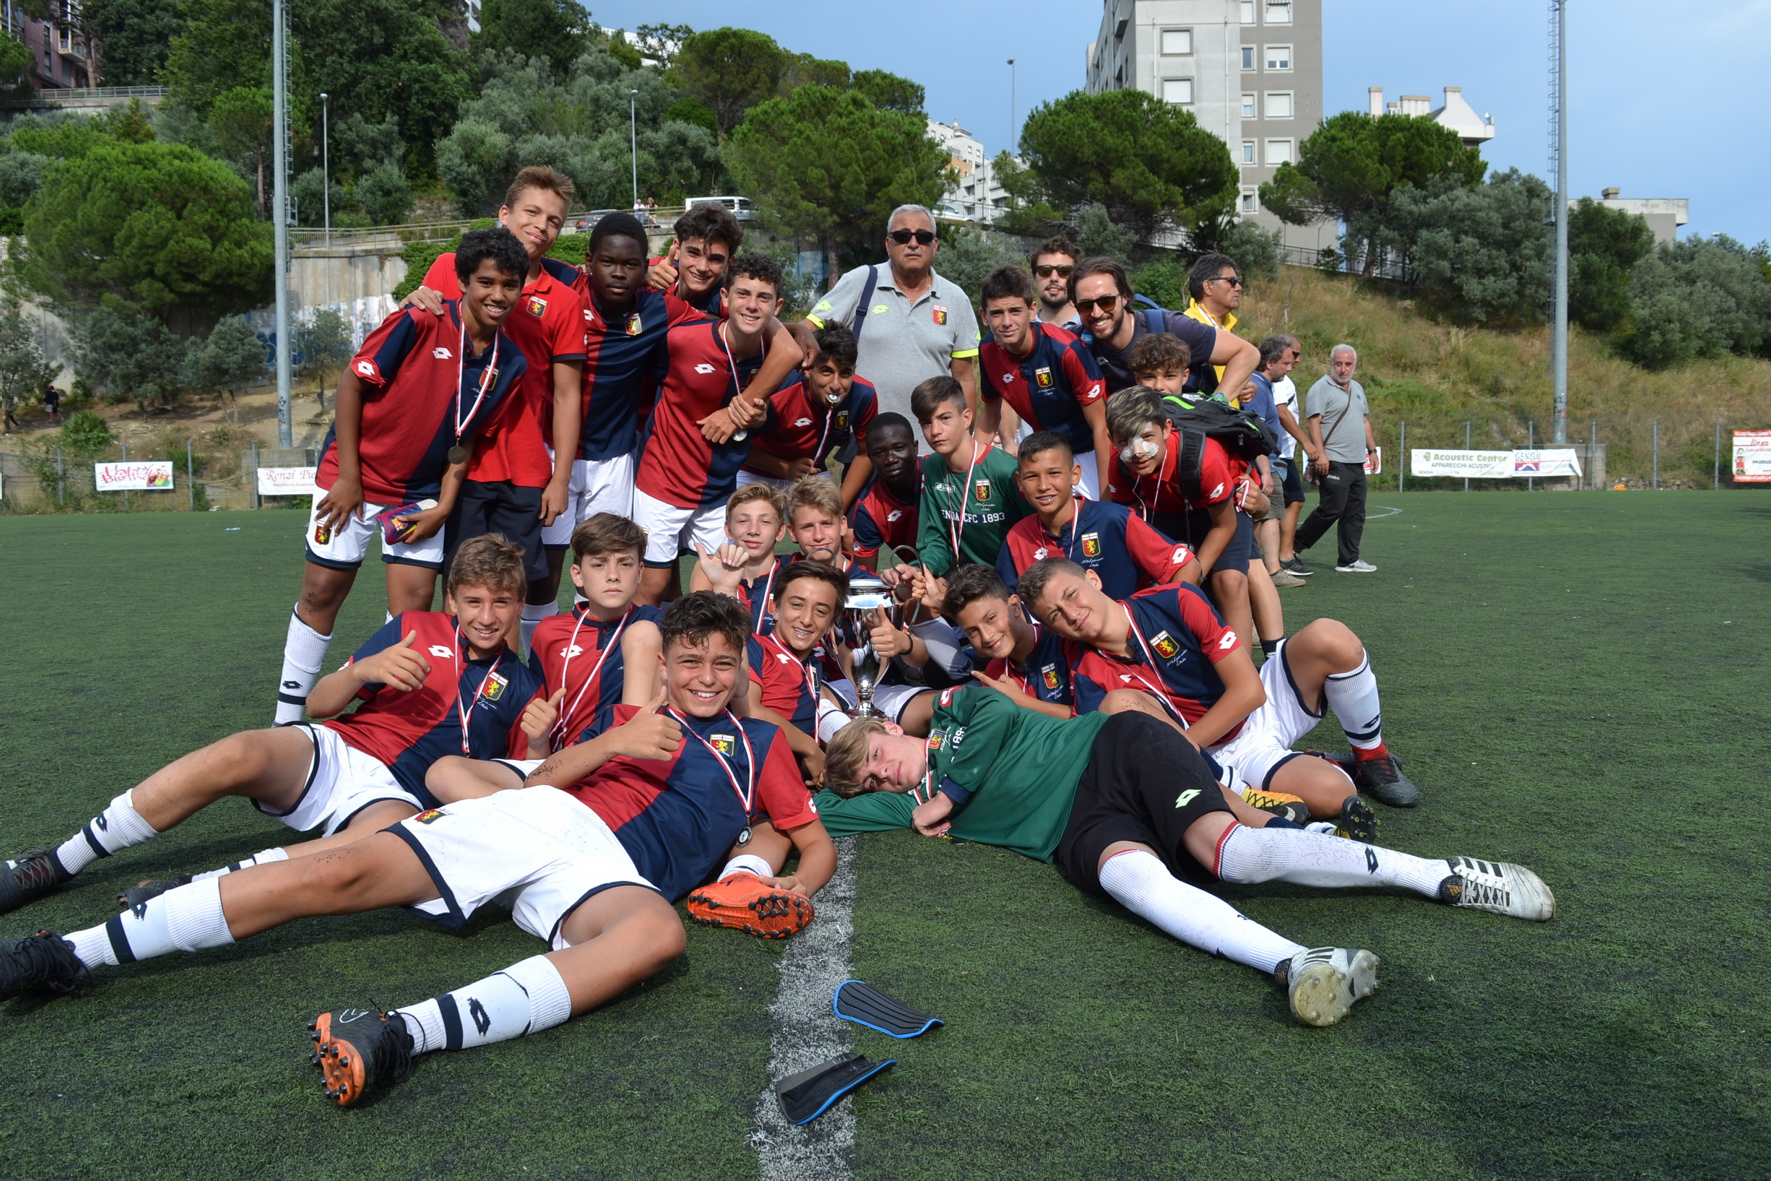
pixel 886 514
pixel 969 495
pixel 1020 659
pixel 746 566
pixel 589 868
pixel 822 410
pixel 1108 538
pixel 427 684
pixel 1129 810
pixel 786 663
pixel 408 407
pixel 706 238
pixel 816 522
pixel 1165 652
pixel 1044 373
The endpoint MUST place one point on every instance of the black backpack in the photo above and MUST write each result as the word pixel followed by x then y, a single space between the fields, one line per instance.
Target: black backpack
pixel 1198 417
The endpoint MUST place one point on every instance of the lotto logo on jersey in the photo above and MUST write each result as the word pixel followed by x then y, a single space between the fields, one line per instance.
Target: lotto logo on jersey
pixel 894 515
pixel 982 490
pixel 1227 641
pixel 1049 674
pixel 589 316
pixel 1182 555
pixel 704 367
pixel 537 306
pixel 1008 378
pixel 365 368
pixel 441 353
pixel 1043 376
pixel 441 652
pixel 1165 645
pixel 1039 555
pixel 430 815
pixel 570 651
pixel 802 422
pixel 635 327
pixel 724 743
pixel 494 687
pixel 1091 545
pixel 946 697
pixel 940 314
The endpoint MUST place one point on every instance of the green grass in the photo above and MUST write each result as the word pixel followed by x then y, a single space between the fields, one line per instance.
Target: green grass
pixel 1575 681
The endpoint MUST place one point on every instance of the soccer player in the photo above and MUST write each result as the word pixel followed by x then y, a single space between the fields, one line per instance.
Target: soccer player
pixel 786 662
pixel 886 515
pixel 1166 653
pixel 825 409
pixel 685 475
pixel 647 811
pixel 603 654
pixel 519 478
pixel 707 238
pixel 1045 374
pixel 815 521
pixel 430 683
pixel 1052 264
pixel 969 495
pixel 407 409
pixel 1024 661
pixel 1130 811
pixel 1103 297
pixel 1124 552
pixel 746 566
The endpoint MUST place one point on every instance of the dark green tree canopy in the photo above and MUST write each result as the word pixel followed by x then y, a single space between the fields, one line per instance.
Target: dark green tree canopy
pixel 1698 298
pixel 134 36
pixel 1352 163
pixel 558 30
pixel 889 92
pixel 729 71
pixel 1482 250
pixel 1604 246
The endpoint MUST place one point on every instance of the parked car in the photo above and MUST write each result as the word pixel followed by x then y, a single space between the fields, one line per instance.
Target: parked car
pixel 743 208
pixel 587 222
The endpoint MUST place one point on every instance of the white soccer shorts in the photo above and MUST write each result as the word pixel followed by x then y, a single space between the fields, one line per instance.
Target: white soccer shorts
pixel 536 850
pixel 523 767
pixel 344 547
pixel 1264 742
pixel 670 529
pixel 341 781
pixel 597 486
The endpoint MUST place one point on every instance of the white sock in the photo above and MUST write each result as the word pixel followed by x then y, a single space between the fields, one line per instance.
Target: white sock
pixel 1249 855
pixel 831 718
pixel 526 997
pixel 748 863
pixel 533 614
pixel 262 857
pixel 119 826
pixel 186 919
pixel 304 652
pixel 1353 698
pixel 1142 884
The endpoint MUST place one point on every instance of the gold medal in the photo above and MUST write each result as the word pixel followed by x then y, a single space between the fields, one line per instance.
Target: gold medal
pixel 457 455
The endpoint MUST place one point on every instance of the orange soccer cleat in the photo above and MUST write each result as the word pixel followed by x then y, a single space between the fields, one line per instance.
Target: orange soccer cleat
pixel 745 901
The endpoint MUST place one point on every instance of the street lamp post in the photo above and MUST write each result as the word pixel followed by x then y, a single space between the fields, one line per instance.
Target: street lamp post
pixel 325 167
pixel 1011 106
pixel 633 141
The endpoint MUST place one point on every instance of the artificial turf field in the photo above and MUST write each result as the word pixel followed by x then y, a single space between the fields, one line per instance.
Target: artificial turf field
pixel 1576 681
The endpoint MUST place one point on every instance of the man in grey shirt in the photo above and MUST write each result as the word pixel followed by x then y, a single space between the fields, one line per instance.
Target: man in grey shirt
pixel 1340 441
pixel 910 324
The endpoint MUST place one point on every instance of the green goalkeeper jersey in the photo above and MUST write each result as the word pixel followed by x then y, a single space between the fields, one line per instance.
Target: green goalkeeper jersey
pixel 1010 772
pixel 978 506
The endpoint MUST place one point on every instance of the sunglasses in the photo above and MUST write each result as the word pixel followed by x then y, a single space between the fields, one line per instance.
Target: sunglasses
pixel 1106 303
pixel 1048 269
pixel 1232 280
pixel 903 237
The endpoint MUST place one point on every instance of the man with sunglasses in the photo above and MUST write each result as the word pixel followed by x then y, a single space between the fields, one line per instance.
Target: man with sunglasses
pixel 1052 264
pixel 910 324
pixel 1102 294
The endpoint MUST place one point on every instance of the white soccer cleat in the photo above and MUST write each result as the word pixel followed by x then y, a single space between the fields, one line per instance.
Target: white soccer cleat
pixel 1499 887
pixel 1324 982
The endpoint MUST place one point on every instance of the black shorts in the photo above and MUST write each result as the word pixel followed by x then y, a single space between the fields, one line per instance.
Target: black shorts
pixel 1294 482
pixel 498 506
pixel 1192 526
pixel 1143 783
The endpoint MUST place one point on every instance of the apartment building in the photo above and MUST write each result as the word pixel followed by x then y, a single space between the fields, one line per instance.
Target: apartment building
pixel 62 54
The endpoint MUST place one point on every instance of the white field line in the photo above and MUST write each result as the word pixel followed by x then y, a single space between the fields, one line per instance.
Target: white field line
pixel 806 1033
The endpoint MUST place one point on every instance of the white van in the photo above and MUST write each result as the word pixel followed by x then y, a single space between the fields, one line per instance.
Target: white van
pixel 743 208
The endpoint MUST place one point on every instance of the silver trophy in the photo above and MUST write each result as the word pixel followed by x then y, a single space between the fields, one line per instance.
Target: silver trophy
pixel 867 594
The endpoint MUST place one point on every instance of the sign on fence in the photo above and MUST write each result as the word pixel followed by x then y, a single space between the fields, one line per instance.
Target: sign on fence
pixel 1496 465
pixel 287 481
pixel 1752 457
pixel 154 475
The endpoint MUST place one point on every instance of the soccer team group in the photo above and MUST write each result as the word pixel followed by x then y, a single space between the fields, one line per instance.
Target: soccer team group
pixel 1068 673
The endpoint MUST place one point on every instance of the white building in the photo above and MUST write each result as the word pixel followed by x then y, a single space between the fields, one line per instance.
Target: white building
pixel 1664 215
pixel 976 195
pixel 1475 130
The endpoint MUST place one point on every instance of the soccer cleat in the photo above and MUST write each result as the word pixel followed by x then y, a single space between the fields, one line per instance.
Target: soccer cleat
pixel 29 878
pixel 142 893
pixel 1357 566
pixel 1283 578
pixel 1498 887
pixel 1287 807
pixel 1382 779
pixel 44 962
pixel 745 901
pixel 358 1050
pixel 1324 982
pixel 1297 567
pixel 1357 821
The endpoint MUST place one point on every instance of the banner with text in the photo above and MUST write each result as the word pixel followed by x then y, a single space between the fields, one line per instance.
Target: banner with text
pixel 1752 457
pixel 1495 465
pixel 286 481
pixel 154 475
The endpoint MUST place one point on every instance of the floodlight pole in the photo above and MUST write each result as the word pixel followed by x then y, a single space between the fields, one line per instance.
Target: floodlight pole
pixel 1560 10
pixel 1012 106
pixel 280 215
pixel 325 167
pixel 633 140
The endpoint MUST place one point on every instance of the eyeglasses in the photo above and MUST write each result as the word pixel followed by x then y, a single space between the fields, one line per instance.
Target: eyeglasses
pixel 1046 270
pixel 1232 280
pixel 903 237
pixel 1106 303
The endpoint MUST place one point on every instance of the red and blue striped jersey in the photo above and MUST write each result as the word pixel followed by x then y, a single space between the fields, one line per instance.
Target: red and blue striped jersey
pixel 1044 675
pixel 1049 386
pixel 709 305
pixel 801 430
pixel 679 466
pixel 1124 552
pixel 408 731
pixel 623 355
pixel 1176 638
pixel 880 520
pixel 582 655
pixel 548 325
pixel 789 684
pixel 1161 491
pixel 678 817
pixel 409 367
pixel 757 595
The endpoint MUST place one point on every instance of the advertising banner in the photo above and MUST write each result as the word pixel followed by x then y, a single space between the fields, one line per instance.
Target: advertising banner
pixel 153 475
pixel 1752 457
pixel 286 481
pixel 1494 465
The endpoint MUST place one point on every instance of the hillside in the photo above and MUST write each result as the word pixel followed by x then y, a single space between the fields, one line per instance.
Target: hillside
pixel 1437 376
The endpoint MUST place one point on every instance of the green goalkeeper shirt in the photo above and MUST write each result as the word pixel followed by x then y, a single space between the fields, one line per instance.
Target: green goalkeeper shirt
pixel 1010 772
pixel 979 506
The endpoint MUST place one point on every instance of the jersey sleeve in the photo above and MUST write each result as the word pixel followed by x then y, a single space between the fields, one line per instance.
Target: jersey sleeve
pixel 752 650
pixel 780 789
pixel 1217 478
pixel 838 304
pixel 1005 565
pixel 385 349
pixel 1152 552
pixel 1216 638
pixel 871 811
pixel 565 338
pixel 989 360
pixel 964 322
pixel 678 311
pixel 1082 374
pixel 866 408
pixel 516 743
pixel 978 723
pixel 866 530
pixel 441 277
pixel 932 543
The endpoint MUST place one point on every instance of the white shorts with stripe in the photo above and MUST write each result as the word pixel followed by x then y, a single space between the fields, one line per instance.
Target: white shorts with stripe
pixel 598 486
pixel 1264 743
pixel 671 530
pixel 345 546
pixel 341 781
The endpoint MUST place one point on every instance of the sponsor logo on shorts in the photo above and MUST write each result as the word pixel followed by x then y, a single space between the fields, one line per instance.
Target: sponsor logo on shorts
pixel 441 353
pixel 494 686
pixel 1186 797
pixel 1091 545
pixel 1049 674
pixel 1165 645
pixel 322 533
pixel 724 743
pixel 537 305
pixel 430 815
pixel 940 314
pixel 1043 375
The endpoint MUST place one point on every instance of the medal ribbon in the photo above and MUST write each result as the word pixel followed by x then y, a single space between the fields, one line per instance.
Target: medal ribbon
pixel 747 793
pixel 465 716
pixel 956 528
pixel 559 725
pixel 1161 696
pixel 487 377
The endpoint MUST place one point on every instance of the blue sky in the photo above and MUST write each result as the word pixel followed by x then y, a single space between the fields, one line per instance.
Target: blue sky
pixel 1661 105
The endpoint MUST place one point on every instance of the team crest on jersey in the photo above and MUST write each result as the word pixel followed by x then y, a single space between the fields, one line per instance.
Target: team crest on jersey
pixel 937 737
pixel 1043 375
pixel 1049 674
pixel 429 815
pixel 1091 545
pixel 724 743
pixel 940 314
pixel 982 490
pixel 537 305
pixel 1165 645
pixel 494 687
pixel 634 325
pixel 842 421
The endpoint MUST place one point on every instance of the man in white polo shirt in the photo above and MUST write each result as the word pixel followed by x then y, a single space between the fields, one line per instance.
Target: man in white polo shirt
pixel 910 324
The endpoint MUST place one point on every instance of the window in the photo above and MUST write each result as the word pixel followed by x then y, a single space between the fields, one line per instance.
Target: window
pixel 66 41
pixel 1248 106
pixel 1250 204
pixel 1278 57
pixel 1248 12
pixel 1177 90
pixel 1278 104
pixel 1279 12
pixel 1278 152
pixel 1248 57
pixel 1176 42
pixel 1248 151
